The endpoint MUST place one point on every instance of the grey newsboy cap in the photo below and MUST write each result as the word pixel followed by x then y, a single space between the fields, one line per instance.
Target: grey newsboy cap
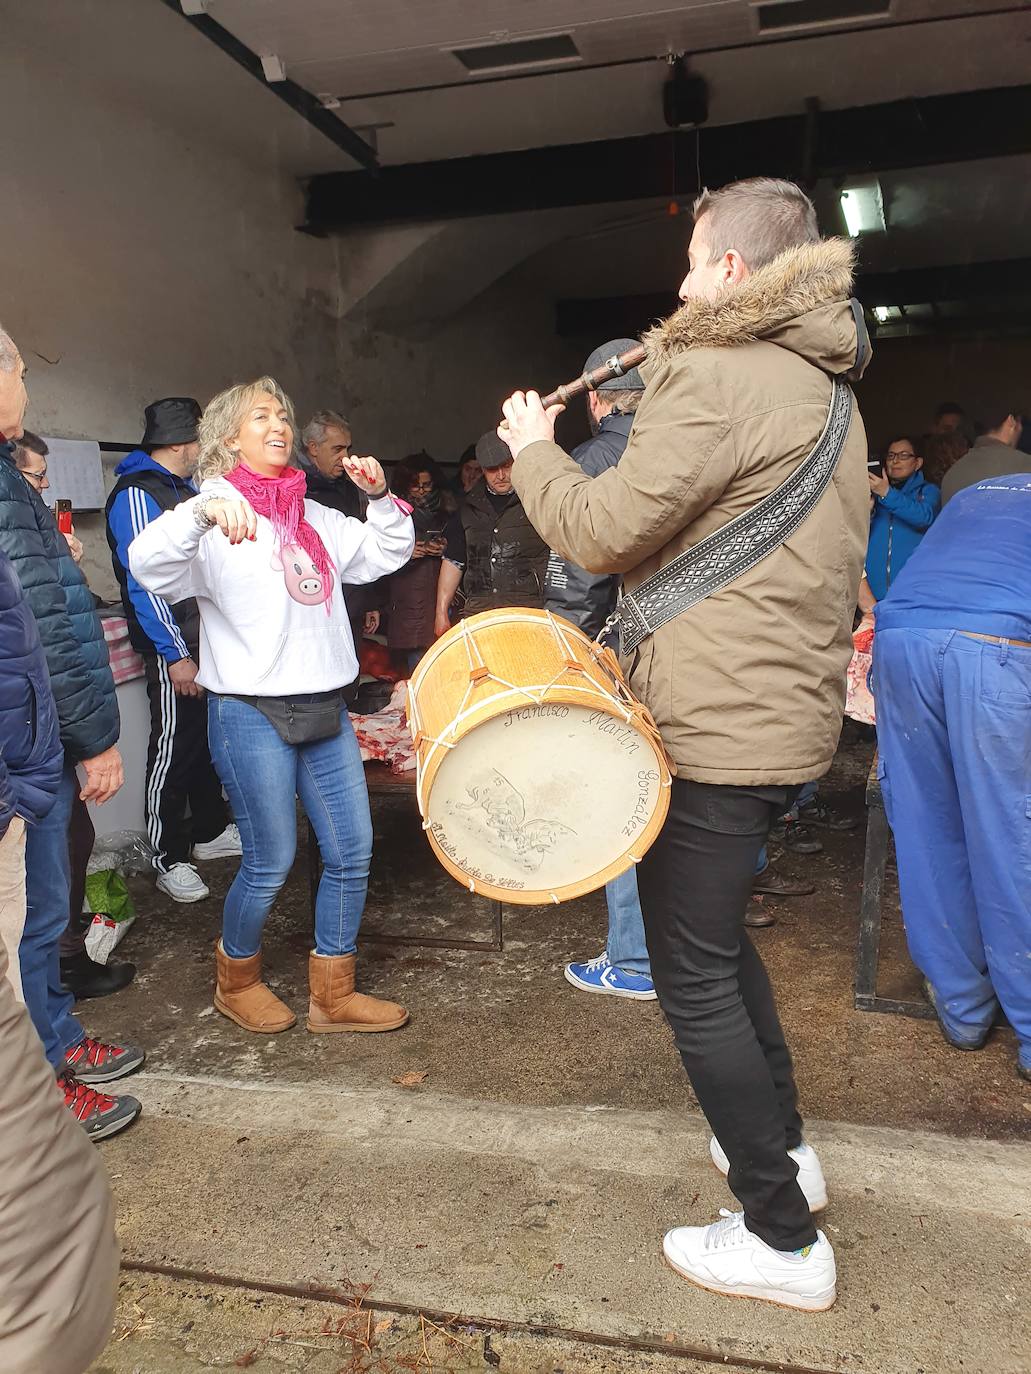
pixel 492 452
pixel 630 381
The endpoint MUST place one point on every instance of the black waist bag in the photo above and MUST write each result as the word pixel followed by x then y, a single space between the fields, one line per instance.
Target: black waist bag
pixel 301 719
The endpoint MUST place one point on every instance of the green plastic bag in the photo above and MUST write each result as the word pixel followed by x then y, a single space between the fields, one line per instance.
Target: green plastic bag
pixel 106 891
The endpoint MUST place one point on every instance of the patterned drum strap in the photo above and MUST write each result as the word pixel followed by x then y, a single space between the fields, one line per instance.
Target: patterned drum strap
pixel 743 542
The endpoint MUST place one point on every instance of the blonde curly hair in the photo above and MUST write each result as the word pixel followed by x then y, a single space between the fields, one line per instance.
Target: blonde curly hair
pixel 223 416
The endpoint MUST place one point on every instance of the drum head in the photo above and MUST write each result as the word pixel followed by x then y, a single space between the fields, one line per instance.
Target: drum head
pixel 545 802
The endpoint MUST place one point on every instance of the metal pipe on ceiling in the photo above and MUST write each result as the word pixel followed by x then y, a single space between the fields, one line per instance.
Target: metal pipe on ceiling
pixel 299 100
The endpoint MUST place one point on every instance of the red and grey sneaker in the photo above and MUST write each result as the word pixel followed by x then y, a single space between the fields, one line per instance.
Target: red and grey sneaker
pixel 99 1116
pixel 94 1062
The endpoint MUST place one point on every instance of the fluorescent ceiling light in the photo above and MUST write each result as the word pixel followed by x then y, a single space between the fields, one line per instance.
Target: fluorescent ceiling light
pixel 863 208
pixel 882 313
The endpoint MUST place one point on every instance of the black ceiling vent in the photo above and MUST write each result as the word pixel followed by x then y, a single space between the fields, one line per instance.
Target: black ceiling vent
pixel 777 15
pixel 521 52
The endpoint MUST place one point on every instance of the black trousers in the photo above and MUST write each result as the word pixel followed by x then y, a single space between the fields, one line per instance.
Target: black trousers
pixel 695 883
pixel 180 774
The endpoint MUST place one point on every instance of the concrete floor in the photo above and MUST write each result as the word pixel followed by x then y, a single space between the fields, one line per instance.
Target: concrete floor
pixel 530 1174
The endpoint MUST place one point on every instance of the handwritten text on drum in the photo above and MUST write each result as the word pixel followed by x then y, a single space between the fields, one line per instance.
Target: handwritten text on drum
pixel 455 855
pixel 536 713
pixel 646 780
pixel 625 735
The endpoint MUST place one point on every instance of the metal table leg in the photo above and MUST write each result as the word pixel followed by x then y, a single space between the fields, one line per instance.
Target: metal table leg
pixel 495 945
pixel 878 834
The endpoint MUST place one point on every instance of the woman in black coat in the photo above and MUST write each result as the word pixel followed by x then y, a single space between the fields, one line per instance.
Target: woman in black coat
pixel 411 591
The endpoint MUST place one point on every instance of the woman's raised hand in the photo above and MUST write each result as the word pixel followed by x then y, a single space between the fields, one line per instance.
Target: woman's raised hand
pixel 236 519
pixel 367 475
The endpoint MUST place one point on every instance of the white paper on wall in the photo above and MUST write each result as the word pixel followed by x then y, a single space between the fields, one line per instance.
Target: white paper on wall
pixel 75 474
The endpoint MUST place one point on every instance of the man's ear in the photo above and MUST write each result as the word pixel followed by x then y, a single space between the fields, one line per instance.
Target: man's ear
pixel 735 269
pixel 919 464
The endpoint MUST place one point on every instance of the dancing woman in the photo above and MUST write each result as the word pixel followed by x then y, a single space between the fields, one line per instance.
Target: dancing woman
pixel 276 652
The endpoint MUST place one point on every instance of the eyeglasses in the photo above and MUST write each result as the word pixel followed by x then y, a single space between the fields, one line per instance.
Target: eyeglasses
pixel 895 457
pixel 36 478
pixel 421 486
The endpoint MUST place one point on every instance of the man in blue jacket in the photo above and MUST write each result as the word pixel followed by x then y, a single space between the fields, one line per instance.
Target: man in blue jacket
pixel 88 717
pixel 154 478
pixel 952 669
pixel 904 508
pixel 31 757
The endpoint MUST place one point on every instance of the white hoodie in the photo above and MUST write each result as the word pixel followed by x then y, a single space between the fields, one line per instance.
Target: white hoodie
pixel 255 638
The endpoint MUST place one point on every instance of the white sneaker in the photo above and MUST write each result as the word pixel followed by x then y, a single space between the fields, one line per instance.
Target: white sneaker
pixel 727 1258
pixel 183 883
pixel 810 1175
pixel 224 846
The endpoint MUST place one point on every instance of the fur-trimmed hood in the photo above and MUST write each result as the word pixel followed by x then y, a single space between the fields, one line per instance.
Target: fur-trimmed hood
pixel 798 301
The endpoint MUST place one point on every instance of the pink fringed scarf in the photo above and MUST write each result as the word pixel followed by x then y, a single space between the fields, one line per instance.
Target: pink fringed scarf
pixel 281 501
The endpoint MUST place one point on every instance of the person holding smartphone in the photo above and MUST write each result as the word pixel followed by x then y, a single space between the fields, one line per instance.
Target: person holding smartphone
pixel 412 590
pixel 904 506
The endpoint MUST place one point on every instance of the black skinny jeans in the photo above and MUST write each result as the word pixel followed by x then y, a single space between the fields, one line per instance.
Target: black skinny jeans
pixel 695 883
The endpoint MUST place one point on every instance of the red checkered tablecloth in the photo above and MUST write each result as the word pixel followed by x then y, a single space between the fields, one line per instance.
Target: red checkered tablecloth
pixel 126 664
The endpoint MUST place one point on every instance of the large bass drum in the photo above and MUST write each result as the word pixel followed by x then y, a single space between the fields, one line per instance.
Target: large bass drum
pixel 540 776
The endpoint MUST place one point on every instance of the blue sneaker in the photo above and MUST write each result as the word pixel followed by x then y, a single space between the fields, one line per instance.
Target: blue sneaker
pixel 598 975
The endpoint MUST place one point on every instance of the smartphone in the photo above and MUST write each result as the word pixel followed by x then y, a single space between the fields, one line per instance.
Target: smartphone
pixel 874 465
pixel 63 515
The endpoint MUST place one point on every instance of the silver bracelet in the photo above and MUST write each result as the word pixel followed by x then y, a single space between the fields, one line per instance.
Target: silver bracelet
pixel 200 513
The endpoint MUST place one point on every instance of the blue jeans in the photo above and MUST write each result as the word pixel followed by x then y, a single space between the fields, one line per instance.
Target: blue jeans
pixel 809 791
pixel 47 880
pixel 625 946
pixel 262 776
pixel 954 734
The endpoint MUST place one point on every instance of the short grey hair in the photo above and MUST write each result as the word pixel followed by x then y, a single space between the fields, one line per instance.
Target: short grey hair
pixel 8 351
pixel 626 402
pixel 760 218
pixel 314 431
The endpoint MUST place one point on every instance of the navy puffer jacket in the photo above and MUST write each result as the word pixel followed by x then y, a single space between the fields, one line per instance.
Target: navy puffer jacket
pixel 62 604
pixel 31 756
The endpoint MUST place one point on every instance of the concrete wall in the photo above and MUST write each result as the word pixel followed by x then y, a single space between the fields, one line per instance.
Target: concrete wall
pixel 140 262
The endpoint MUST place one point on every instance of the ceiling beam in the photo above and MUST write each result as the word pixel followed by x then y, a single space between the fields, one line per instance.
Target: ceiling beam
pixel 959 282
pixel 916 132
pixel 977 282
pixel 299 100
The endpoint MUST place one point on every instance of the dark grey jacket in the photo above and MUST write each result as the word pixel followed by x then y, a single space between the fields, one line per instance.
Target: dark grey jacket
pixel 588 599
pixel 988 458
pixel 62 604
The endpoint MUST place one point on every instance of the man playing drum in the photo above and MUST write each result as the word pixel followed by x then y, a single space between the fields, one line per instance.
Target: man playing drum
pixel 747 685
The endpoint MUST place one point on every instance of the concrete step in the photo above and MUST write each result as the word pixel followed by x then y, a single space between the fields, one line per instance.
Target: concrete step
pixel 553 1218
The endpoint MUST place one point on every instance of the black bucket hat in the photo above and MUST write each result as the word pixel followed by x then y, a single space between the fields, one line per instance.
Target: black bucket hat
pixel 175 420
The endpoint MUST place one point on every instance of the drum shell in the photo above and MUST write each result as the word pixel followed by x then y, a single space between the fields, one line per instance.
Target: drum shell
pixel 524 648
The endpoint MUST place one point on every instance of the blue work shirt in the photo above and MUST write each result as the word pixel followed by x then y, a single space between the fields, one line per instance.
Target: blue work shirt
pixel 899 521
pixel 973 569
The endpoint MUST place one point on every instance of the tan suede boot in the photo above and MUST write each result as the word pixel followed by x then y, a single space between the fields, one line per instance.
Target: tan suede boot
pixel 243 997
pixel 335 1006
